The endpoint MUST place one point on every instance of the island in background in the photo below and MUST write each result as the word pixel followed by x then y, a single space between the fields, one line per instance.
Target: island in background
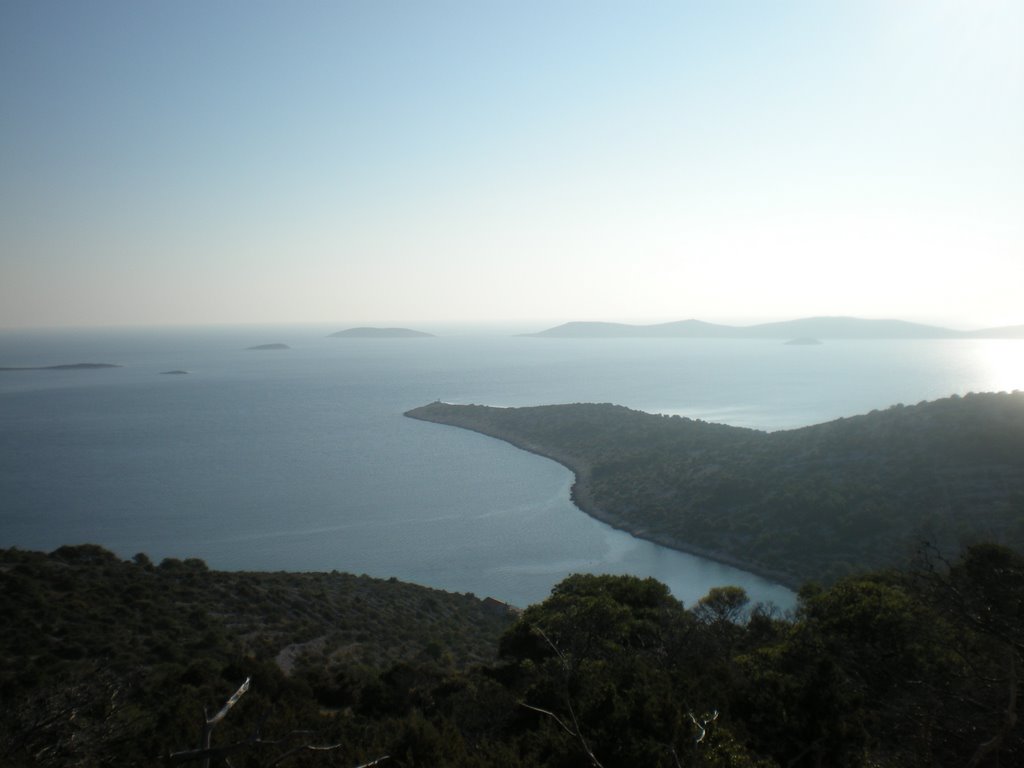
pixel 65 367
pixel 809 327
pixel 815 503
pixel 267 347
pixel 379 333
pixel 803 341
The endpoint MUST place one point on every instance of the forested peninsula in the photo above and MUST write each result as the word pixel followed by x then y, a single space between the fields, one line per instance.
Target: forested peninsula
pixel 815 503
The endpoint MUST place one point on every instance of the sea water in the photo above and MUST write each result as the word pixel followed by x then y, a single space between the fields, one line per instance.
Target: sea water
pixel 300 459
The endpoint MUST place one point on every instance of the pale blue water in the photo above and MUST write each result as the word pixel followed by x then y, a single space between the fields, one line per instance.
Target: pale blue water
pixel 302 460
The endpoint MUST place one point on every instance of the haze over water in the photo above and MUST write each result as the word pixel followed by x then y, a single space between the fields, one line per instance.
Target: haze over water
pixel 301 459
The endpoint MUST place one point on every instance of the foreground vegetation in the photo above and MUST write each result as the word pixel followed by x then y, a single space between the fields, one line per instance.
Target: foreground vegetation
pixel 815 503
pixel 127 654
pixel 104 662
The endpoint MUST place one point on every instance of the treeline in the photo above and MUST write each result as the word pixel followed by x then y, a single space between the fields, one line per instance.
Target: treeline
pixel 127 653
pixel 814 503
pixel 112 663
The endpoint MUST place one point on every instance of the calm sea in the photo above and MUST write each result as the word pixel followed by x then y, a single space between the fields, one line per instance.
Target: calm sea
pixel 301 459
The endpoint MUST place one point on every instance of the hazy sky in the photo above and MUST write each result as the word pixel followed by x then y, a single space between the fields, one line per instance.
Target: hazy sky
pixel 198 161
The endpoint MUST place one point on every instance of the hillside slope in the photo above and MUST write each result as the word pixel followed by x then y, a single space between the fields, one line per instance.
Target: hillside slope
pixel 812 503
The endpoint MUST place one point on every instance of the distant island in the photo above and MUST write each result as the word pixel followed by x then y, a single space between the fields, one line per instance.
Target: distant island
pixel 380 333
pixel 803 341
pixel 66 367
pixel 173 373
pixel 814 503
pixel 262 347
pixel 809 327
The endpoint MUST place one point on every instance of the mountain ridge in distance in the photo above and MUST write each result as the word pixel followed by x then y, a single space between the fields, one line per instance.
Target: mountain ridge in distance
pixel 816 327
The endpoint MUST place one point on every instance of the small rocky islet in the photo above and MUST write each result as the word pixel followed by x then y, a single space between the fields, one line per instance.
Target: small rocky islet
pixel 64 367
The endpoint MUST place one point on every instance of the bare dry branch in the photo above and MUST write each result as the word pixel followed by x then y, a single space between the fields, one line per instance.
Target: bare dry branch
pixel 552 715
pixel 372 763
pixel 574 731
pixel 230 702
pixel 211 722
pixel 703 723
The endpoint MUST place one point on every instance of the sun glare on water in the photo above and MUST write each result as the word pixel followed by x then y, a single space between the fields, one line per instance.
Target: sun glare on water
pixel 1002 364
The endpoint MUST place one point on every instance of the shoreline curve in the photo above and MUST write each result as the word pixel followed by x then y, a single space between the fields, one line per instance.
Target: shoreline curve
pixel 580 496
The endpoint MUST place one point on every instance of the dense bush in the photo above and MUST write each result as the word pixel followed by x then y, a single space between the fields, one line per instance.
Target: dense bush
pixel 113 663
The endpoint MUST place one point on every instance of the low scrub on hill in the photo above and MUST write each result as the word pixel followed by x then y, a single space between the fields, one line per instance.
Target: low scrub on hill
pixel 105 662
